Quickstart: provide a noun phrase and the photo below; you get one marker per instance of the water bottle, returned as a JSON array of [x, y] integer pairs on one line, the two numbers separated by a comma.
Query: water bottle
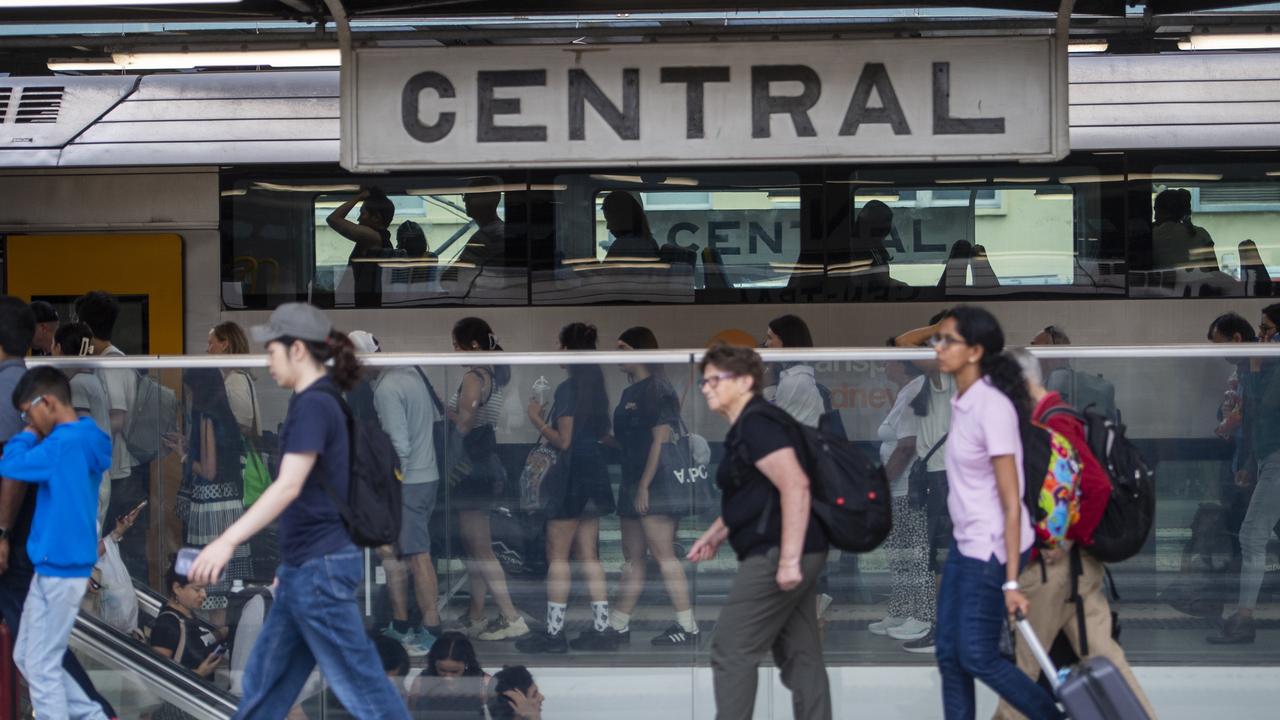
[[540, 388]]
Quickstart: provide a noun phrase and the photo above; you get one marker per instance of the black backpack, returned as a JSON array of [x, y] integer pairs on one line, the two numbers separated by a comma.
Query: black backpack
[[371, 510], [850, 493], [1131, 509]]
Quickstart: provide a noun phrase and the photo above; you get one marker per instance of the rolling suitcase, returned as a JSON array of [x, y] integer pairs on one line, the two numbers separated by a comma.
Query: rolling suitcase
[[1095, 689]]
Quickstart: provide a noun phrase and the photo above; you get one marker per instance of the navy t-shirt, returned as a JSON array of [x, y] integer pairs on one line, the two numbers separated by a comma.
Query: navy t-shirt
[[311, 526]]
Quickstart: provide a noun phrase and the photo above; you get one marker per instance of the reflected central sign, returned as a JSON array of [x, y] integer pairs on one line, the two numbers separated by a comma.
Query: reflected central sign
[[712, 103]]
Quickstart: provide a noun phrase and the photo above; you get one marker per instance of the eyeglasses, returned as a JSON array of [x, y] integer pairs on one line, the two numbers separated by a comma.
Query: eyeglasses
[[26, 414], [713, 381], [940, 341]]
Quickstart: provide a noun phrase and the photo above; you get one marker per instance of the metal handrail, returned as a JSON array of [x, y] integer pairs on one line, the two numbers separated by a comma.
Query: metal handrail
[[669, 357]]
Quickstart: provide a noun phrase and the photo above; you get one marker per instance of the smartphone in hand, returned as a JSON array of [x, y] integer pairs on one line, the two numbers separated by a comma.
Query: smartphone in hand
[[186, 558]]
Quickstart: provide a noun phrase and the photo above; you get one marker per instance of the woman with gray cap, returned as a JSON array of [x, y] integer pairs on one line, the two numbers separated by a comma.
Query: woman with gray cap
[[315, 618]]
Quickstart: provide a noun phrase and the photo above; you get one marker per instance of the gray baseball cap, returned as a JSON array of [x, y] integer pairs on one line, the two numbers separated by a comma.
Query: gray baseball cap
[[296, 320]]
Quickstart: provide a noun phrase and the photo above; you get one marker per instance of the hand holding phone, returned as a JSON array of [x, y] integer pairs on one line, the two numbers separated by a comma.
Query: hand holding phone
[[186, 558], [219, 651]]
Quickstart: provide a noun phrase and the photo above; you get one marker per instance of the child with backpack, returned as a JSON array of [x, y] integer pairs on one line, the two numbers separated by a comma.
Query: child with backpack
[[1080, 608], [64, 456], [315, 618]]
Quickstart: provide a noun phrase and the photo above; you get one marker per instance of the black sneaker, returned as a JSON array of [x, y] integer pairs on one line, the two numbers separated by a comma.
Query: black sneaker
[[920, 645], [1237, 630], [543, 642], [676, 636], [598, 640]]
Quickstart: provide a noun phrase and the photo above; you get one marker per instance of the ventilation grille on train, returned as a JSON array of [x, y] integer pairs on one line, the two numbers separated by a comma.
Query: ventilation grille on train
[[5, 94], [1268, 193], [39, 105]]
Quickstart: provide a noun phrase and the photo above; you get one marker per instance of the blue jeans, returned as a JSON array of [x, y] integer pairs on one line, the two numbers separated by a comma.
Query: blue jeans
[[971, 616], [315, 620], [47, 618]]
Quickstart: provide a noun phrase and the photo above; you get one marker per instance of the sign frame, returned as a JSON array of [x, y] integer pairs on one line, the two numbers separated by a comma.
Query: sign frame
[[597, 95]]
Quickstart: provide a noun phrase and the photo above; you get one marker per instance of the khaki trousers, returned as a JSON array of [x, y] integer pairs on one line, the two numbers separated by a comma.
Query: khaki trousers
[[759, 617], [1051, 612]]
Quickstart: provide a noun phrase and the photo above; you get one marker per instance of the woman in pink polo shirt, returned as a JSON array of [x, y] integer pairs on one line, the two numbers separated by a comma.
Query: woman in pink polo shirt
[[991, 535]]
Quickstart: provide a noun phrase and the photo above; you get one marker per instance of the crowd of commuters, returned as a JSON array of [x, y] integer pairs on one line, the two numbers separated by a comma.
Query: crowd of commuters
[[960, 553]]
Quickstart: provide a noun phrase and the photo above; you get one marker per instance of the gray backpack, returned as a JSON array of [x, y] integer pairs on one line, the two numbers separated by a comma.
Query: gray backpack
[[152, 415]]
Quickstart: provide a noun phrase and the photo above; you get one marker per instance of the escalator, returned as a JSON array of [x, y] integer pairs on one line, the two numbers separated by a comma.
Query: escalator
[[137, 681]]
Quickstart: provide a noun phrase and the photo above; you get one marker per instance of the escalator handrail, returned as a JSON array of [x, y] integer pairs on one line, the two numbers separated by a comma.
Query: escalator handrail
[[175, 683]]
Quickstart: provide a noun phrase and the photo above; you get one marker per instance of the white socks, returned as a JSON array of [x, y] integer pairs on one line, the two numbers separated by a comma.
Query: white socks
[[600, 615], [555, 617], [620, 621], [685, 618]]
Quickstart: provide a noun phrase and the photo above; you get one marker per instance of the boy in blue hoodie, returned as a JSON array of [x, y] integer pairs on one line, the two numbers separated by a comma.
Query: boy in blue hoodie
[[64, 456]]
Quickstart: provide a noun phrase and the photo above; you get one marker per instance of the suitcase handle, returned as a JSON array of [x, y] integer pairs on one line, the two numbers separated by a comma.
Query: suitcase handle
[[1033, 642]]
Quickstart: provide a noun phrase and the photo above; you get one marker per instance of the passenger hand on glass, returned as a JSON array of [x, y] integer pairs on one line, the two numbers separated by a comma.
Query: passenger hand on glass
[[206, 668], [789, 576], [1015, 602], [211, 561], [1243, 478], [642, 500]]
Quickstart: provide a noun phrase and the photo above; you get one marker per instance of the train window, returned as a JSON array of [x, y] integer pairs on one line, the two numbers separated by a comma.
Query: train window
[[1211, 233], [973, 236], [671, 239], [404, 242]]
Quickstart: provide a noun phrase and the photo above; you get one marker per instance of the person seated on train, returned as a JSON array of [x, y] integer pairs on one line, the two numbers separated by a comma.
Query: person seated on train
[[372, 239], [863, 267], [1177, 243], [955, 274], [515, 695], [1253, 272], [488, 244], [983, 274], [625, 220], [796, 388]]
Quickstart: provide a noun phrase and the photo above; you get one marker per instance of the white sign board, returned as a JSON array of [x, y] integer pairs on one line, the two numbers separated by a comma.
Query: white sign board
[[711, 103]]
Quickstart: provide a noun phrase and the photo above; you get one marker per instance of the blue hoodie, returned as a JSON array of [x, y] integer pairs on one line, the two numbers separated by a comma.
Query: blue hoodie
[[67, 469]]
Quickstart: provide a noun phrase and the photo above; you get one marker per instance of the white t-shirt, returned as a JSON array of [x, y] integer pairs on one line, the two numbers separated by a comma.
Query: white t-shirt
[[797, 393], [122, 386], [901, 423], [89, 398], [242, 396], [937, 423]]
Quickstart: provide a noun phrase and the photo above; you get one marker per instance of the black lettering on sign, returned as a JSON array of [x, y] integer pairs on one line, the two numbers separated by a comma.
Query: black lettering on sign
[[695, 79], [410, 107], [874, 76], [680, 227], [583, 90], [489, 106], [716, 238], [943, 123], [763, 104], [917, 239], [757, 232]]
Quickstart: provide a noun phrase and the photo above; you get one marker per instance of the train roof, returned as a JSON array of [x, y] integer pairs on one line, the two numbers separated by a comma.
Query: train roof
[[1117, 102]]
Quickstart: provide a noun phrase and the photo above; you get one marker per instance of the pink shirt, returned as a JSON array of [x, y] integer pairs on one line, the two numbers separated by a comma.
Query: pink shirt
[[984, 425]]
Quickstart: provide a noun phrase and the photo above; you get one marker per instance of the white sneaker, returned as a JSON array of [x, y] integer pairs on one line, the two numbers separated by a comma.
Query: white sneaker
[[912, 629], [882, 627], [503, 629]]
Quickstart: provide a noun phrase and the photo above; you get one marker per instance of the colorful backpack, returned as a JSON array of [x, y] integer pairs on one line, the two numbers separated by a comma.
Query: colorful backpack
[[1052, 468]]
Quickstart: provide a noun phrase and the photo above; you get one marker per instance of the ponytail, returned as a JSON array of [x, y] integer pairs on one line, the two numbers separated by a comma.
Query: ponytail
[[346, 367], [1006, 375]]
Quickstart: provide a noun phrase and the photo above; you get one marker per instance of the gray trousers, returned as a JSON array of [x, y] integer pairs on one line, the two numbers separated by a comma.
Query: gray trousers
[[759, 617]]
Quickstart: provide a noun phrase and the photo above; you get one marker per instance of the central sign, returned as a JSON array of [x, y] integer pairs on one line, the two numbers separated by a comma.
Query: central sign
[[711, 103]]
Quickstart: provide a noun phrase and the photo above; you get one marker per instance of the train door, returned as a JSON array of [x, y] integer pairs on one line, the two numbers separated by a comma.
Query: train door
[[143, 271]]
